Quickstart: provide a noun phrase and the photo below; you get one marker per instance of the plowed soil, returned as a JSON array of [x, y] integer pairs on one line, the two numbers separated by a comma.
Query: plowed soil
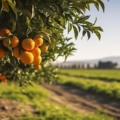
[[84, 101], [12, 110], [77, 100]]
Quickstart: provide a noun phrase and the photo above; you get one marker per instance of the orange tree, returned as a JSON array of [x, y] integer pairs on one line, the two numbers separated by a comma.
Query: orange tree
[[31, 35]]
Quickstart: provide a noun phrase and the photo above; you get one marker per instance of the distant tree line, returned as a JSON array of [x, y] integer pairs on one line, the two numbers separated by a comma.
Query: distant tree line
[[106, 65], [100, 65]]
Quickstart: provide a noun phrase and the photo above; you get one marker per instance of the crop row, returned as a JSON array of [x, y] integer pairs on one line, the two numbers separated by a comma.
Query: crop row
[[46, 109], [110, 75], [112, 89]]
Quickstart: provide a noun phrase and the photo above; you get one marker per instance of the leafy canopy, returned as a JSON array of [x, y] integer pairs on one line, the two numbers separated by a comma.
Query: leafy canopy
[[49, 18]]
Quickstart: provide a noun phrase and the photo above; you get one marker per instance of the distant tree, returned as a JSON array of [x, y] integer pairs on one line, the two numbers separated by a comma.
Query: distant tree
[[79, 66], [95, 66], [106, 65], [88, 66], [82, 66], [74, 66]]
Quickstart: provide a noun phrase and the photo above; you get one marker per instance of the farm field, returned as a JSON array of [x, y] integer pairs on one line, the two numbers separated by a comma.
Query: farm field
[[97, 81], [34, 103], [106, 75], [39, 36]]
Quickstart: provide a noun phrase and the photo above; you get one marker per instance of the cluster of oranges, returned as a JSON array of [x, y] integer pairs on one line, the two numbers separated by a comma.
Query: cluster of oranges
[[31, 50]]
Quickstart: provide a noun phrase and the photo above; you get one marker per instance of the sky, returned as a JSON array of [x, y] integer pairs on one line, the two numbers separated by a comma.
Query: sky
[[109, 45]]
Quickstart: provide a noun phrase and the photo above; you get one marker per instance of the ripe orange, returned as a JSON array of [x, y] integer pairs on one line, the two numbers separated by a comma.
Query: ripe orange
[[36, 52], [16, 52], [28, 44], [26, 57], [5, 42], [14, 41], [38, 41], [5, 5], [37, 60], [38, 67], [3, 78], [44, 48], [2, 53], [4, 32]]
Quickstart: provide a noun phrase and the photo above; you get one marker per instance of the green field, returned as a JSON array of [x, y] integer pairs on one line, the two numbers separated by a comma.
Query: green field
[[98, 81], [38, 97], [94, 74]]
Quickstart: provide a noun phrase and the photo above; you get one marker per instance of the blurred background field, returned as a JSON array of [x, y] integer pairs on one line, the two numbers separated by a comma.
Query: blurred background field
[[98, 81], [34, 103]]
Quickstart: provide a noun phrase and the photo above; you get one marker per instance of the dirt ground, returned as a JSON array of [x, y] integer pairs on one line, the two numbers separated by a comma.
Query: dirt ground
[[12, 110], [84, 101], [77, 100]]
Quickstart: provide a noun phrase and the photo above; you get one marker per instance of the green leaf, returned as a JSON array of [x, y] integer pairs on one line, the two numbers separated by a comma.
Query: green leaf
[[88, 6], [82, 19], [13, 25], [96, 5], [69, 17], [63, 21], [33, 11], [69, 27], [98, 35], [13, 10], [75, 32], [95, 21], [98, 28], [88, 34], [0, 6], [102, 5], [26, 13], [84, 32]]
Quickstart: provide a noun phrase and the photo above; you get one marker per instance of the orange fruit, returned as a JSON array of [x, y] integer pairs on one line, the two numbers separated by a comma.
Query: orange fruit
[[38, 41], [5, 42], [4, 32], [44, 48], [28, 44], [36, 52], [14, 41], [5, 5], [38, 67], [37, 60], [0, 77], [3, 78], [26, 57], [16, 52], [2, 53]]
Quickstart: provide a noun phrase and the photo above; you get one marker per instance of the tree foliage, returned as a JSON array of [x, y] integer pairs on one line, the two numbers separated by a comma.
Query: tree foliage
[[49, 19], [106, 65]]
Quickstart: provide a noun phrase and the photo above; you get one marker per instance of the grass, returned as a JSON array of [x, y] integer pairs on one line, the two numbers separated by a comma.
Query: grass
[[67, 116], [94, 74], [112, 89], [96, 86], [13, 91], [46, 110]]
